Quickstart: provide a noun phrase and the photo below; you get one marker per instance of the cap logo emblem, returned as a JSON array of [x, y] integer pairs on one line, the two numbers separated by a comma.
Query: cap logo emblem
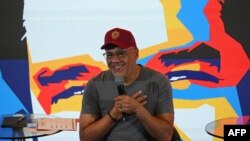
[[115, 34]]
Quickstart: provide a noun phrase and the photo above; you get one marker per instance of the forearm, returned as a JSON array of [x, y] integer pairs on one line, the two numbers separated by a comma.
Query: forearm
[[158, 128], [97, 130]]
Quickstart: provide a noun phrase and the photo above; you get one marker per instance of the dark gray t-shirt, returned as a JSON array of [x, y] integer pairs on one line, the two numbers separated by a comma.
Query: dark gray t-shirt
[[99, 97]]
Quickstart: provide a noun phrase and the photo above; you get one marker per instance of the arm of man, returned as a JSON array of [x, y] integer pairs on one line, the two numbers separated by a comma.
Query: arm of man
[[92, 128], [160, 127], [160, 124]]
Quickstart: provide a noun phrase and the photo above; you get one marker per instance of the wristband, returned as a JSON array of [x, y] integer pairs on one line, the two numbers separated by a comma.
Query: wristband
[[112, 118]]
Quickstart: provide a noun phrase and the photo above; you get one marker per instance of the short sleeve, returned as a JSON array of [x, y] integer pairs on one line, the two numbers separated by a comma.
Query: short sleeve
[[90, 100]]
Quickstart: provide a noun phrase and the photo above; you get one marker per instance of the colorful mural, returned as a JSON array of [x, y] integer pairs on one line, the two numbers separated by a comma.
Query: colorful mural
[[50, 49]]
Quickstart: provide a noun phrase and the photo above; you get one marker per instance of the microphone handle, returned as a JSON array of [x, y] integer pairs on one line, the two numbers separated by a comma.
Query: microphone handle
[[122, 91], [124, 116]]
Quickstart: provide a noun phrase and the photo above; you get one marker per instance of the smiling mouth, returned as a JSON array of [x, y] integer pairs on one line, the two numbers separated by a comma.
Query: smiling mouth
[[117, 67]]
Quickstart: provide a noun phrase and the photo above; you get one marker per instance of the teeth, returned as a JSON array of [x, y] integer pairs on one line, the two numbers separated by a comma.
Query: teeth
[[117, 67]]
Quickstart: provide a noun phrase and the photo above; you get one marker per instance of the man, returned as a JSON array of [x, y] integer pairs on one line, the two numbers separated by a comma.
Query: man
[[147, 103]]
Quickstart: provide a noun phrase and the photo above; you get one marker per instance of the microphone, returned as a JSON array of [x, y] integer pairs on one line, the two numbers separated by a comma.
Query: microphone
[[119, 81], [120, 86]]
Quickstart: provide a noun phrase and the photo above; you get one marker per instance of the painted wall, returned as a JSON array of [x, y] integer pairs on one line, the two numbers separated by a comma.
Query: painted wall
[[49, 49]]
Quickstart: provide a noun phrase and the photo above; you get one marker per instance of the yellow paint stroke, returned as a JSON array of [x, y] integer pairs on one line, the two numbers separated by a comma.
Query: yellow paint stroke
[[75, 83], [181, 84], [192, 66], [70, 104], [176, 32]]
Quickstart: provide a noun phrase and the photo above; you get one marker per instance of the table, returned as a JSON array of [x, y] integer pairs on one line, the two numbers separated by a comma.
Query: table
[[216, 128], [22, 133]]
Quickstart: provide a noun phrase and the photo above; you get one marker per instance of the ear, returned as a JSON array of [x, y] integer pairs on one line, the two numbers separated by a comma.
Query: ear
[[136, 53]]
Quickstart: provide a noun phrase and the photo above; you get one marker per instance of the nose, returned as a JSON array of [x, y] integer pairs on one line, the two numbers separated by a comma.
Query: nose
[[114, 59]]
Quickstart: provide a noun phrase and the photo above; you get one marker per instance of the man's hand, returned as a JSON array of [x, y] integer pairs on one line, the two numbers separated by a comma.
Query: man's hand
[[130, 104]]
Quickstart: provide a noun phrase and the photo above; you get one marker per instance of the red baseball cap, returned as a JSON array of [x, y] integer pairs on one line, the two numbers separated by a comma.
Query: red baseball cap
[[119, 37]]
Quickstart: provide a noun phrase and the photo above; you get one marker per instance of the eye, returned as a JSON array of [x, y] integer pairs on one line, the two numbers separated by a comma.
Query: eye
[[109, 55], [121, 53]]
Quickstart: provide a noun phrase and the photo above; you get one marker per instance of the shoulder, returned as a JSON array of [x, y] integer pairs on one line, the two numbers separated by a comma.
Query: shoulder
[[103, 76], [96, 83]]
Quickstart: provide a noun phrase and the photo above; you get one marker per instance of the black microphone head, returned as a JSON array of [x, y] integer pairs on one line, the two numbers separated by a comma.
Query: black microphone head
[[119, 80], [120, 86]]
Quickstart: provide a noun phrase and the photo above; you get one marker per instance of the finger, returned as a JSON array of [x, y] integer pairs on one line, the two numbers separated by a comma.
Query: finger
[[137, 94], [141, 98], [124, 109], [121, 108], [118, 102], [124, 105], [120, 98], [144, 102], [117, 98]]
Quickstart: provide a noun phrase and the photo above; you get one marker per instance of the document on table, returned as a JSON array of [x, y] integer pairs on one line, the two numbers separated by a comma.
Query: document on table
[[34, 130], [56, 124]]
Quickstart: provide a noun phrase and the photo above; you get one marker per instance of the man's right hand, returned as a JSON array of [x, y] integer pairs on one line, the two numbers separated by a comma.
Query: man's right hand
[[115, 112]]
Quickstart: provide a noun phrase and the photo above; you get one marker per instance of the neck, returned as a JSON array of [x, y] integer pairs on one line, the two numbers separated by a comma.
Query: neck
[[131, 78]]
